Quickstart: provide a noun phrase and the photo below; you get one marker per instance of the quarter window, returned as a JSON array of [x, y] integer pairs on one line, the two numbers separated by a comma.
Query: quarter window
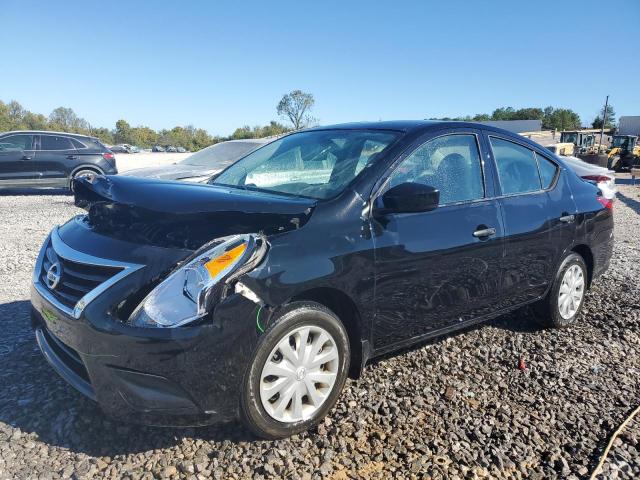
[[548, 171], [517, 167], [450, 163], [55, 142]]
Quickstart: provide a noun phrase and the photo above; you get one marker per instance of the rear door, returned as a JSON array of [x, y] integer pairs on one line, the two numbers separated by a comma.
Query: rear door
[[17, 164], [56, 157], [538, 214], [440, 268]]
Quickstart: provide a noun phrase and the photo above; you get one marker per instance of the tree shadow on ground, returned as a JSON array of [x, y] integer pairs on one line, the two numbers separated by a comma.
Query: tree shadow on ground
[[41, 192], [632, 203]]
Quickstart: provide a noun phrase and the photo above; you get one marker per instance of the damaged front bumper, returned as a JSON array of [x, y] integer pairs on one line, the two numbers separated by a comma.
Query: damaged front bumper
[[189, 375]]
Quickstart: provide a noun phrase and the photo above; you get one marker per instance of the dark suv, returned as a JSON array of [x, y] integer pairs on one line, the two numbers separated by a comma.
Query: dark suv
[[51, 159]]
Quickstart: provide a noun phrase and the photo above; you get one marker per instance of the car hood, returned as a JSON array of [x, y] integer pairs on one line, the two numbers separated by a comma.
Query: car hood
[[183, 215], [176, 171]]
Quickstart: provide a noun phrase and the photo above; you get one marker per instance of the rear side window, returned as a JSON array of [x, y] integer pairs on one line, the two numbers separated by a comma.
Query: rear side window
[[548, 171], [450, 163], [16, 142], [517, 167], [55, 142]]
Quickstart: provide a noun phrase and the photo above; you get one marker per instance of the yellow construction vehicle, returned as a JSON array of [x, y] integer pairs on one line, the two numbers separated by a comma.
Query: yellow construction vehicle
[[624, 153], [584, 141]]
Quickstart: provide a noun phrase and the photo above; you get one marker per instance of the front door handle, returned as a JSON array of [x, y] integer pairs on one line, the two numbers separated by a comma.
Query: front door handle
[[27, 157], [567, 218], [484, 232]]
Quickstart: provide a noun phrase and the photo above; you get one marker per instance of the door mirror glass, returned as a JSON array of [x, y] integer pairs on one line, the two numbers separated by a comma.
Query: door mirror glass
[[409, 198]]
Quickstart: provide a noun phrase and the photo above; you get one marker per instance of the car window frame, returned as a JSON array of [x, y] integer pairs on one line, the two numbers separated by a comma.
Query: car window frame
[[381, 184], [489, 135], [39, 144]]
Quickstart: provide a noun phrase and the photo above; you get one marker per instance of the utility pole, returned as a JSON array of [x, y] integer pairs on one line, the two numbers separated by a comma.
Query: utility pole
[[604, 119]]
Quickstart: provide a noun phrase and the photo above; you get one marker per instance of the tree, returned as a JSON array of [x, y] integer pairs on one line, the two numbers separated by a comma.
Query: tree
[[611, 118], [564, 119], [123, 132], [65, 119], [295, 106]]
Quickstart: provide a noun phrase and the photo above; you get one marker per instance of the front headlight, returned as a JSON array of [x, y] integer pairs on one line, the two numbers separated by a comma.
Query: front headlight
[[190, 291]]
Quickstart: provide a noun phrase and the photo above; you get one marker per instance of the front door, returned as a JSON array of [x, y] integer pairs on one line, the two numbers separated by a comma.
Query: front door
[[439, 268], [17, 164]]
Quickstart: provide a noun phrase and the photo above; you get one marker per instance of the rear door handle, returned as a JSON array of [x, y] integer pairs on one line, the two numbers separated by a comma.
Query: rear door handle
[[484, 232], [72, 157], [567, 218]]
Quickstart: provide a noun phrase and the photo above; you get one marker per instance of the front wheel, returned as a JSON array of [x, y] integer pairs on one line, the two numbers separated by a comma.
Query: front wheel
[[564, 301], [298, 371]]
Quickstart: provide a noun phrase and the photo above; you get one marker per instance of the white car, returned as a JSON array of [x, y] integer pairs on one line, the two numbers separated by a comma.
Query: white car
[[603, 177]]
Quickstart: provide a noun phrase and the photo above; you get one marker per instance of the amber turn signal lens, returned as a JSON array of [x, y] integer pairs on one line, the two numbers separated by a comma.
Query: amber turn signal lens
[[218, 264]]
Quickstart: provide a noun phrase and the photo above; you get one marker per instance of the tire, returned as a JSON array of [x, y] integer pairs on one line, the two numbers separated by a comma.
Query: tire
[[552, 311], [80, 173], [262, 393]]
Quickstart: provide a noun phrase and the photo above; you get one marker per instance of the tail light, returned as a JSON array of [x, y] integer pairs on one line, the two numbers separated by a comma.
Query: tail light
[[605, 202], [108, 156], [597, 178]]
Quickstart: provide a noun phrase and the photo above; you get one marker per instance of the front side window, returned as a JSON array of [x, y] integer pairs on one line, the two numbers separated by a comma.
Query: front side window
[[317, 164], [16, 143], [55, 142], [517, 167], [450, 164]]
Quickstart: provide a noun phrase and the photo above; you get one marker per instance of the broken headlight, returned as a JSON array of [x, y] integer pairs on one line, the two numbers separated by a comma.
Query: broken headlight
[[190, 291]]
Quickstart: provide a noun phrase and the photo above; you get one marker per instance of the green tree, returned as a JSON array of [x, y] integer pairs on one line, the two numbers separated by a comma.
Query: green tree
[[295, 106], [122, 133], [65, 119], [611, 118]]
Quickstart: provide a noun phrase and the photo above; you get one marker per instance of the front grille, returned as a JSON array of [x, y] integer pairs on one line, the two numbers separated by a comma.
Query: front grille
[[76, 279]]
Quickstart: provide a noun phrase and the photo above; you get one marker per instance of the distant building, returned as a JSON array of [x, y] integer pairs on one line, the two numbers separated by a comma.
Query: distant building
[[516, 126]]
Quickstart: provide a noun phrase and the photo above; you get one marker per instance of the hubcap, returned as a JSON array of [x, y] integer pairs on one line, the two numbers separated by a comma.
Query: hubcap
[[299, 374], [571, 292]]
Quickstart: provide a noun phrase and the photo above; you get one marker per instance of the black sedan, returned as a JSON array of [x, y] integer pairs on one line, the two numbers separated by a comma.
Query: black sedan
[[256, 295], [203, 164]]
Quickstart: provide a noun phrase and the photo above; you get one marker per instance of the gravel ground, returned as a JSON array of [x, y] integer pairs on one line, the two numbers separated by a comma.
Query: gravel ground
[[457, 407]]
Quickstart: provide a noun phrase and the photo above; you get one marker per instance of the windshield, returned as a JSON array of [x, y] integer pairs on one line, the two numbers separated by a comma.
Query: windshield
[[317, 164], [220, 155], [620, 142]]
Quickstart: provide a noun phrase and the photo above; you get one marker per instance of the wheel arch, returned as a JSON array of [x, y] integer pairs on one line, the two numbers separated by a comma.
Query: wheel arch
[[587, 255], [86, 166], [347, 311]]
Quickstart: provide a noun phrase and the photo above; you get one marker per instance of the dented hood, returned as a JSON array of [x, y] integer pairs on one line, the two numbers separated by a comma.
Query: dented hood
[[183, 215]]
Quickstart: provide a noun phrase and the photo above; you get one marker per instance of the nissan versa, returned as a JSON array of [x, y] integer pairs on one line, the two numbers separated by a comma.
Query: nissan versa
[[257, 294]]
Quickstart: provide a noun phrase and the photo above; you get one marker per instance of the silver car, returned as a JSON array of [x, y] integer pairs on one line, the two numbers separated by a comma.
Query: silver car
[[205, 163]]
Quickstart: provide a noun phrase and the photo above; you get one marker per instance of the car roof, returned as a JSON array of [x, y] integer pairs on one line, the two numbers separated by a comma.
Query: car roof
[[424, 126], [50, 132]]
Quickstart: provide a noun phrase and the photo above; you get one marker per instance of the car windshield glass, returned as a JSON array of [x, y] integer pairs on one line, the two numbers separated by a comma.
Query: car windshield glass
[[317, 164], [220, 155], [620, 141]]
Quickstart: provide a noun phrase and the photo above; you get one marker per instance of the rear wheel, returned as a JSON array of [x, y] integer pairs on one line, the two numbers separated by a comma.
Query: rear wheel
[[85, 172], [297, 373], [564, 301]]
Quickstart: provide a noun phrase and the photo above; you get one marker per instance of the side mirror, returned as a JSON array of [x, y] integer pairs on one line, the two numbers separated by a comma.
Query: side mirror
[[409, 198]]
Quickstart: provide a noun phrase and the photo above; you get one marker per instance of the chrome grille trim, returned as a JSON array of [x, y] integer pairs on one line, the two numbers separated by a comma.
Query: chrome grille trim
[[62, 250]]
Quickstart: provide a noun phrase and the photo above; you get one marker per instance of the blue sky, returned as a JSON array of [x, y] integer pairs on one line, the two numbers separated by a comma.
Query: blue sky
[[220, 65]]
